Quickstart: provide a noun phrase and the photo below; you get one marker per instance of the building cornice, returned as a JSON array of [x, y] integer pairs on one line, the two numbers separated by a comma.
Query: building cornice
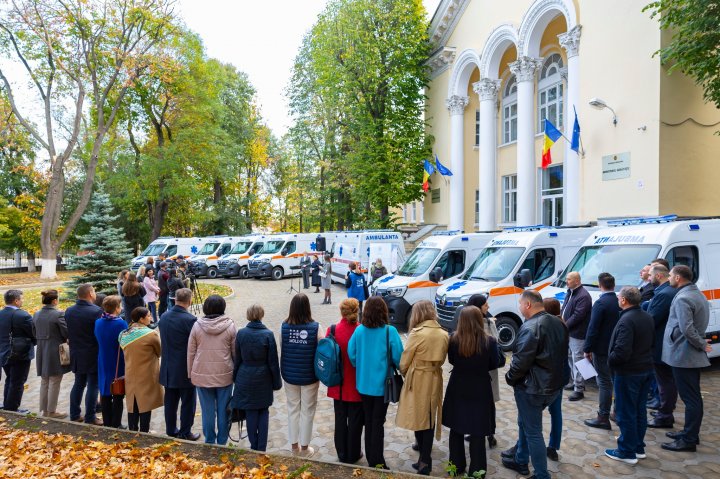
[[446, 17], [441, 61]]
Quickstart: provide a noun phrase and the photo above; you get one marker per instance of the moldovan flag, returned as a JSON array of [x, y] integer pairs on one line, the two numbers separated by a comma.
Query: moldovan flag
[[551, 136], [427, 171]]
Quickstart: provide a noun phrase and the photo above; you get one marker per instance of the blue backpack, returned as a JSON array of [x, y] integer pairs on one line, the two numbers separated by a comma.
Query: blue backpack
[[328, 360]]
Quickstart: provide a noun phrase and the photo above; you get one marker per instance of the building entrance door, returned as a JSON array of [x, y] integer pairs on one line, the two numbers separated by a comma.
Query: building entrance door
[[551, 196]]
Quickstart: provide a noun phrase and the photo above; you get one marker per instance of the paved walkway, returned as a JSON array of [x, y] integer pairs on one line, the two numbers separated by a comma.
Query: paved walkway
[[581, 454]]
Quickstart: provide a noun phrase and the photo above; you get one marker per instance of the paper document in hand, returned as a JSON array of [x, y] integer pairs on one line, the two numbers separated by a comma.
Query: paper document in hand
[[586, 368]]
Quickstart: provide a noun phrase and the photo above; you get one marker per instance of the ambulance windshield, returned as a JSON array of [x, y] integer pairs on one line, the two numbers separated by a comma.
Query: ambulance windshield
[[209, 248], [272, 247], [418, 262], [154, 249], [623, 261], [241, 247], [494, 264]]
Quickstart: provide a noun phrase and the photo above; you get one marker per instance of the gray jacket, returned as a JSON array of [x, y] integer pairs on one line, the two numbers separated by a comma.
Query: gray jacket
[[50, 331], [684, 340]]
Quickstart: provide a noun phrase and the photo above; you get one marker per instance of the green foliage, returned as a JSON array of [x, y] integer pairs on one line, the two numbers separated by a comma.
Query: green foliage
[[693, 48], [104, 250]]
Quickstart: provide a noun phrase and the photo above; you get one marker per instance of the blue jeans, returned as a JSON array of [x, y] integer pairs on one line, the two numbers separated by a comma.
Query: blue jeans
[[257, 422], [152, 306], [531, 444], [631, 393], [555, 410], [91, 396], [214, 403]]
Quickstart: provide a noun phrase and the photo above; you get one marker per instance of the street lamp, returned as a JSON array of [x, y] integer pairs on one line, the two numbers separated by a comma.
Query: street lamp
[[600, 104]]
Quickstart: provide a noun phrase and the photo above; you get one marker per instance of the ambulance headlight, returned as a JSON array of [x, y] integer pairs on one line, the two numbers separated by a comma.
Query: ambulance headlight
[[398, 291], [264, 260], [464, 300]]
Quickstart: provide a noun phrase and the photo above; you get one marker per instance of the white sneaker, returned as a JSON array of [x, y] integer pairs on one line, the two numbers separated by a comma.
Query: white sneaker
[[640, 455], [309, 452]]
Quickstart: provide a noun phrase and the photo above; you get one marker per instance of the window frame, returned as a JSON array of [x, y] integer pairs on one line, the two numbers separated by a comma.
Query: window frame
[[509, 119], [509, 198], [546, 83]]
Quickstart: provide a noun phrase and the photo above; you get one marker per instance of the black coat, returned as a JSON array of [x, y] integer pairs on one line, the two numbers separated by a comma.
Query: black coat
[[21, 327], [257, 372], [659, 309], [316, 267], [647, 292], [631, 344], [603, 318], [175, 325], [468, 404], [576, 311], [131, 302], [80, 320]]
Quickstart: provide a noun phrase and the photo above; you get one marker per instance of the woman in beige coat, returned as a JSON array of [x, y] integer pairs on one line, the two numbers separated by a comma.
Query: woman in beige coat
[[420, 407], [141, 348]]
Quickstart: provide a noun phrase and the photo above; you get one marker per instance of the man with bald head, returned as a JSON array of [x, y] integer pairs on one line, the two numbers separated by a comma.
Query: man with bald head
[[576, 313]]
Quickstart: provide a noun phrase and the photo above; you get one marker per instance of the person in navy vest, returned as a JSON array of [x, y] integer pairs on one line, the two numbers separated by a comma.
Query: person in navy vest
[[257, 375], [603, 318], [175, 326], [80, 319], [356, 285], [15, 322], [300, 334]]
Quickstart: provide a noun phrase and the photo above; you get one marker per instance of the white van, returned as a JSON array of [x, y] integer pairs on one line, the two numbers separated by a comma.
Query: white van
[[280, 257], [365, 247], [516, 259], [235, 263], [205, 262], [171, 246], [626, 246], [436, 260]]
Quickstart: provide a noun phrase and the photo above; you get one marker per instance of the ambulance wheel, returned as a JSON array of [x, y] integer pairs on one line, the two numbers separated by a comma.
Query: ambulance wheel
[[212, 273], [277, 273], [408, 318], [507, 332], [244, 273]]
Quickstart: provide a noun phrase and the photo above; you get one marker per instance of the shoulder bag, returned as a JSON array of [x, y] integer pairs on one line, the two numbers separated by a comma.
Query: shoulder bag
[[117, 387], [64, 354], [393, 380]]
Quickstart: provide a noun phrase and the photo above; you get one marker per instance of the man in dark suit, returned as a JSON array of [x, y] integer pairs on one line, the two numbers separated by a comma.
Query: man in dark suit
[[162, 278], [659, 309], [603, 318], [17, 323], [576, 314], [175, 326], [80, 320], [647, 289]]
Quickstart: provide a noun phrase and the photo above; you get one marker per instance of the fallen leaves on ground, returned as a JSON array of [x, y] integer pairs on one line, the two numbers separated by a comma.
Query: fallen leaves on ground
[[33, 278], [39, 454]]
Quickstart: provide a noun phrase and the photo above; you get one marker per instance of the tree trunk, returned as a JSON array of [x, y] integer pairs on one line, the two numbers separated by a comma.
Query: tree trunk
[[217, 202], [31, 262], [322, 198]]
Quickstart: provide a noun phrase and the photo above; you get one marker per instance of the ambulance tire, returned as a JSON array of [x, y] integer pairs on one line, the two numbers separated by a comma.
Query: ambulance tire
[[244, 273], [277, 273], [212, 272], [507, 332]]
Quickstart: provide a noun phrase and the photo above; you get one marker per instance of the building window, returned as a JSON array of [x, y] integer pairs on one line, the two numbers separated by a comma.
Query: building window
[[550, 93], [509, 192], [551, 195], [477, 127], [509, 105], [413, 215], [435, 195], [477, 207]]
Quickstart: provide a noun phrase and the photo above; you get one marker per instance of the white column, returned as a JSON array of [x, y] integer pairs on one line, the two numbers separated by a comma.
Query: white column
[[570, 41], [524, 69], [487, 90], [456, 104]]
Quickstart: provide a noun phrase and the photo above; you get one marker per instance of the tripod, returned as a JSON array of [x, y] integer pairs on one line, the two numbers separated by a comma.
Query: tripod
[[292, 283], [198, 299]]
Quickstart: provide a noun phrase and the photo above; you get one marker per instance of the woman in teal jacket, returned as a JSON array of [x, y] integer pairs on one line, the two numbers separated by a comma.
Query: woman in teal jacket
[[367, 350]]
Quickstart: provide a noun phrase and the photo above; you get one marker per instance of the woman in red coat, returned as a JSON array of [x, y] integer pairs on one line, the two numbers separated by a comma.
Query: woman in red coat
[[349, 418]]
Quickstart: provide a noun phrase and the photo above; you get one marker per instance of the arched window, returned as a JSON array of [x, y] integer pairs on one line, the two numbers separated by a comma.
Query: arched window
[[509, 104], [550, 93]]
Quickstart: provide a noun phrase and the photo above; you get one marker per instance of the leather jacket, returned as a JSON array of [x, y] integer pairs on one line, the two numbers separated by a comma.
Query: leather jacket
[[539, 357]]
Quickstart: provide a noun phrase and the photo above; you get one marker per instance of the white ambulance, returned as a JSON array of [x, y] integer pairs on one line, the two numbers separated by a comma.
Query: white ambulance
[[280, 257], [435, 261], [365, 247], [205, 262], [624, 247], [171, 246], [516, 259], [235, 263]]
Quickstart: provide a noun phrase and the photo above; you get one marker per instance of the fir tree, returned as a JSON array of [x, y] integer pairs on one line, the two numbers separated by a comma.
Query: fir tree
[[107, 252]]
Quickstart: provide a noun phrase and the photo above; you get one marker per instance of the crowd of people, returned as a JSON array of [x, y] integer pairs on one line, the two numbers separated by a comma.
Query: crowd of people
[[118, 350]]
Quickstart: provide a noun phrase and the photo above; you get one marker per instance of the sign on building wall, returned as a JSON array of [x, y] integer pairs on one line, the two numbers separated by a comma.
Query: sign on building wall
[[435, 195], [615, 167]]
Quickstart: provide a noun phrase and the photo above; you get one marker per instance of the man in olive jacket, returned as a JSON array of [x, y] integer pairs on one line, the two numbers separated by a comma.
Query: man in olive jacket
[[536, 373], [685, 350], [175, 326]]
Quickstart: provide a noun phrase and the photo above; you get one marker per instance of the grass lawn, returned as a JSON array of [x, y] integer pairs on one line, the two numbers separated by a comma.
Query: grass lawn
[[32, 278]]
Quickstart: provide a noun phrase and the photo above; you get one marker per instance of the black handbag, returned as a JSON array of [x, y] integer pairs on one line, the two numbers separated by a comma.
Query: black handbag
[[393, 380], [236, 416], [19, 346]]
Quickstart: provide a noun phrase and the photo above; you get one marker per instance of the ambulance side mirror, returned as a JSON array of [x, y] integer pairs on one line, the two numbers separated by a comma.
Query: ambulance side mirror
[[523, 278], [436, 275], [284, 252]]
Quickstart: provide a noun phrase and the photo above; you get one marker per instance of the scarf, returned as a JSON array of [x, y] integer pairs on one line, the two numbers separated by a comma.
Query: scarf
[[132, 334]]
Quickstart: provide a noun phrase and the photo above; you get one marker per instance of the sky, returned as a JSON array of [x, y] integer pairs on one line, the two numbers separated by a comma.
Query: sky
[[261, 38]]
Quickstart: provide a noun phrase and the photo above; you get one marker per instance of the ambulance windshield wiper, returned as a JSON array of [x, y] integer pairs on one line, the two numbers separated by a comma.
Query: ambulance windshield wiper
[[479, 278]]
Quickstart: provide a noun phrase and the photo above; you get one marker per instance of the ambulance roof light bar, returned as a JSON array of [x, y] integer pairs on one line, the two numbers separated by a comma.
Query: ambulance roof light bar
[[643, 220], [525, 228], [447, 233]]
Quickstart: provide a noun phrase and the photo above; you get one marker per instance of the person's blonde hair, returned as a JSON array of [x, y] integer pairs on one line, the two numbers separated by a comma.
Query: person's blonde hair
[[255, 313], [349, 309], [422, 311]]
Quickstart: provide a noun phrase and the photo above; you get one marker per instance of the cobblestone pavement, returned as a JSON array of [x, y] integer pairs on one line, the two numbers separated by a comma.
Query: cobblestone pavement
[[582, 450]]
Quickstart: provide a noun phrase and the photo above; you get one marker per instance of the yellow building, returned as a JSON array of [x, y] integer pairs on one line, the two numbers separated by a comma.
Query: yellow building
[[500, 68]]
